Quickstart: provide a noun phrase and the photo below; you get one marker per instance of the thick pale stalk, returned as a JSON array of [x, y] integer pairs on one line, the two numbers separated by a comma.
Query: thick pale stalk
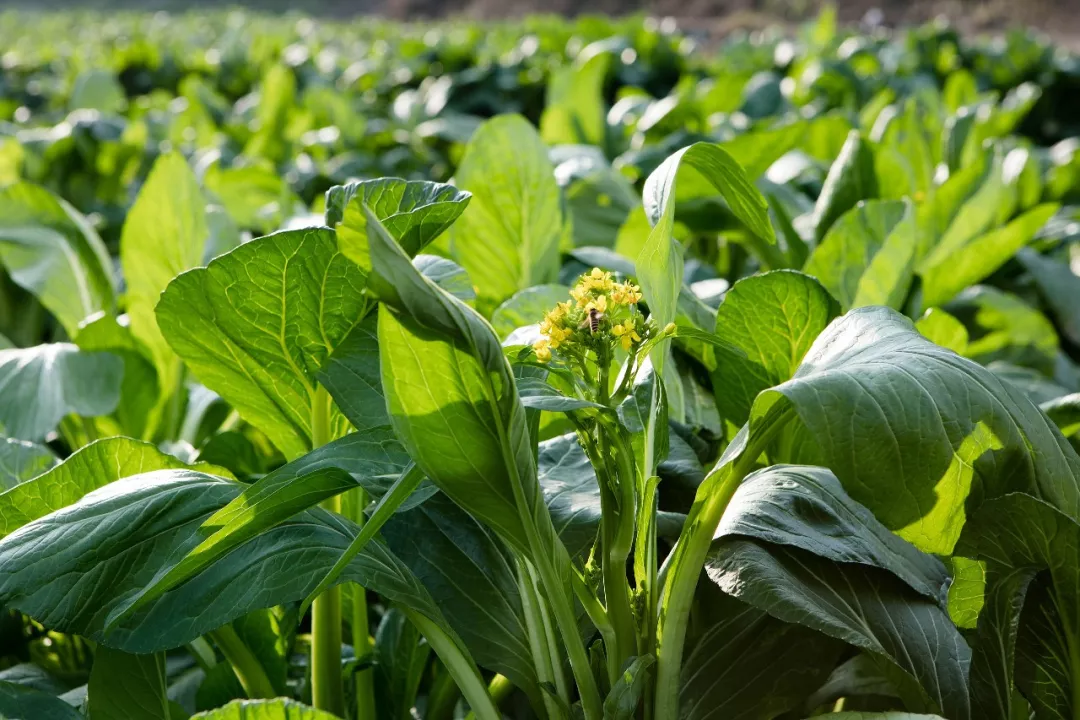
[[327, 690]]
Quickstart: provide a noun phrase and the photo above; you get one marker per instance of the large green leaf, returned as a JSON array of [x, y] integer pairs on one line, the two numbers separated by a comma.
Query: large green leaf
[[576, 111], [866, 607], [851, 178], [452, 397], [78, 568], [926, 421], [946, 273], [867, 257], [1018, 536], [52, 251], [773, 319], [471, 577], [165, 234], [89, 468], [18, 702], [508, 238], [905, 425], [257, 324], [351, 376], [746, 664], [1060, 288], [21, 460], [703, 168], [414, 212], [42, 384], [276, 709], [139, 393], [125, 686], [1004, 327]]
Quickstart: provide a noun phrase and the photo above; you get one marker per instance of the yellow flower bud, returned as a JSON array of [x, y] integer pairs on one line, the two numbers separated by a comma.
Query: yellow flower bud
[[542, 349]]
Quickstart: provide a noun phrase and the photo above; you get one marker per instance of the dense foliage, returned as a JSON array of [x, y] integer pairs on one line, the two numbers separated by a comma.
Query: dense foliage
[[555, 369]]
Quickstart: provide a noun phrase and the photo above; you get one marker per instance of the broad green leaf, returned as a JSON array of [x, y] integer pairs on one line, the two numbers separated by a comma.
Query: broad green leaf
[[941, 328], [51, 250], [905, 426], [1019, 535], [277, 96], [508, 237], [18, 702], [773, 319], [967, 594], [42, 384], [809, 554], [351, 376], [448, 275], [165, 234], [125, 686], [994, 642], [934, 420], [1060, 288], [261, 506], [659, 265], [471, 576], [860, 675], [757, 150], [139, 388], [414, 212], [746, 663], [946, 274], [21, 460], [598, 205], [88, 469], [1064, 411], [137, 528], [527, 307], [276, 709], [1004, 327], [866, 607], [401, 656], [806, 507], [452, 397], [98, 89], [851, 178], [867, 257], [576, 112], [258, 323], [255, 198]]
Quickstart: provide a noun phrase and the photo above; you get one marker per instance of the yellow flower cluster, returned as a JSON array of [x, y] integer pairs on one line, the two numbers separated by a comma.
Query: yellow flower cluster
[[594, 297]]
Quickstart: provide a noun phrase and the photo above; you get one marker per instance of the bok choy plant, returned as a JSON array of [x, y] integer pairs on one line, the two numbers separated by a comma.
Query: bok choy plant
[[438, 454]]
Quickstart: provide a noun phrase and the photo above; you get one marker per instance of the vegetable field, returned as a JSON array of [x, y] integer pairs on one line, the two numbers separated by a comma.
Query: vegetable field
[[554, 369]]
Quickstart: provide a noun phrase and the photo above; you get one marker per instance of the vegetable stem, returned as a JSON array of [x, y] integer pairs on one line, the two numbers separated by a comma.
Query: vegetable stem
[[689, 556], [617, 523], [361, 634], [249, 671], [327, 690], [534, 625], [458, 665]]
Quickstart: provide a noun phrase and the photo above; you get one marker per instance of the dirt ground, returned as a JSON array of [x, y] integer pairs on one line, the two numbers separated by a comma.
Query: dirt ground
[[1058, 18]]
